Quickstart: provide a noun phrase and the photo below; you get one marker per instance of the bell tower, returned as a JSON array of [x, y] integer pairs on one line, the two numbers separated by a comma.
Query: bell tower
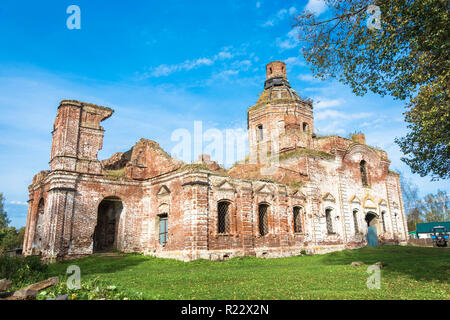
[[77, 136], [280, 120]]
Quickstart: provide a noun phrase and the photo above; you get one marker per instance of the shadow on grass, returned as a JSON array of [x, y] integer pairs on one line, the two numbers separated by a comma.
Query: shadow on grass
[[420, 263]]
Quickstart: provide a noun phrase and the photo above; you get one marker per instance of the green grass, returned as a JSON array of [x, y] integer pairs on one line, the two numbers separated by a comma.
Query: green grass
[[411, 273]]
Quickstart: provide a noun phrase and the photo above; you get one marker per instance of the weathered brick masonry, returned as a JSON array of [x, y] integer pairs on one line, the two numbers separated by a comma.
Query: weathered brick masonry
[[294, 192]]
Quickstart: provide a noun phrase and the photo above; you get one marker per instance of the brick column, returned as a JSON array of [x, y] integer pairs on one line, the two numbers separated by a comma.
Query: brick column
[[245, 210], [196, 210]]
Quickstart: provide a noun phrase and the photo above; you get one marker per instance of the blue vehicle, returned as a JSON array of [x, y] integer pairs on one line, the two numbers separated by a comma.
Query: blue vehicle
[[439, 236]]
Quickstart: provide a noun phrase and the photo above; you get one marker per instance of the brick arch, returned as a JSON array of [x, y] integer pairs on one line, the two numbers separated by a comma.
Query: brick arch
[[357, 154], [298, 218], [367, 154], [225, 216], [107, 230], [263, 217]]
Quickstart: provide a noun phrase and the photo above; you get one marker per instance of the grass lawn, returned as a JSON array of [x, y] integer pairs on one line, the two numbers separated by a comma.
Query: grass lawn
[[411, 273]]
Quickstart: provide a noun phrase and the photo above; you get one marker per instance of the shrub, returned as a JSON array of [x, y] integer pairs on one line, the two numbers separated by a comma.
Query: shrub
[[22, 270], [91, 289]]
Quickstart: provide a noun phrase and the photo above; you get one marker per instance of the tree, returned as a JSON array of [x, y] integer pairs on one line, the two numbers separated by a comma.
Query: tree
[[435, 207], [403, 52], [10, 237], [4, 221], [410, 194]]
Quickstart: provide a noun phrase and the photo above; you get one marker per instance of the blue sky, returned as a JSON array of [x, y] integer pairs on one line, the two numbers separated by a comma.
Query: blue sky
[[161, 66]]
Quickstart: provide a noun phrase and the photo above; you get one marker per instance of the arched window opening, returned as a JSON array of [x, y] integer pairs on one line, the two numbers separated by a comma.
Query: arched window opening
[[355, 220], [329, 221], [41, 206], [305, 127], [163, 228], [383, 213], [263, 219], [297, 220], [260, 132], [363, 169], [223, 217]]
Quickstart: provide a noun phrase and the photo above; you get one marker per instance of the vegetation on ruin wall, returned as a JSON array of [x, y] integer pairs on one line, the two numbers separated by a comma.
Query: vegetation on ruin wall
[[302, 152], [194, 167], [411, 273], [115, 174]]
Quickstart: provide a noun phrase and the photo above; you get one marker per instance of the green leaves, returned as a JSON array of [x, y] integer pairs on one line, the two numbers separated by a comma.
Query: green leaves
[[408, 59]]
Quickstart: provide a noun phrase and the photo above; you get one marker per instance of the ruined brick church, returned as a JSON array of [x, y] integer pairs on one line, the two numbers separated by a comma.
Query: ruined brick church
[[295, 192]]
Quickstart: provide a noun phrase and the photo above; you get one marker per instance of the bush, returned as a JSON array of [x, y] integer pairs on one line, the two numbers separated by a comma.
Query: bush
[[22, 270], [91, 289]]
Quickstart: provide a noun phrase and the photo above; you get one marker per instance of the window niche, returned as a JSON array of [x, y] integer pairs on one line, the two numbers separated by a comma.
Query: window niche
[[356, 222], [223, 217], [329, 221], [363, 170], [260, 132], [298, 227], [263, 211]]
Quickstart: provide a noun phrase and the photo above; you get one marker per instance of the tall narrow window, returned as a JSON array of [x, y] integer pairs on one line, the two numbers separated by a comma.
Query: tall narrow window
[[305, 127], [223, 218], [383, 213], [329, 221], [263, 219], [260, 132], [297, 220], [41, 207], [163, 228], [394, 220], [363, 169], [355, 220]]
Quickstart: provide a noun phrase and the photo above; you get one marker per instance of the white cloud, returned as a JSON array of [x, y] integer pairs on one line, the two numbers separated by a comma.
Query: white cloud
[[242, 65], [307, 77], [225, 54], [22, 203], [316, 6], [165, 70], [280, 16], [327, 103], [291, 40], [293, 61], [322, 115]]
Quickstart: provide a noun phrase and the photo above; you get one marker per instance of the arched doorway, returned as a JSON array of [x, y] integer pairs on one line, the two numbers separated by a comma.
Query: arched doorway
[[371, 219], [372, 228], [106, 230], [39, 228]]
